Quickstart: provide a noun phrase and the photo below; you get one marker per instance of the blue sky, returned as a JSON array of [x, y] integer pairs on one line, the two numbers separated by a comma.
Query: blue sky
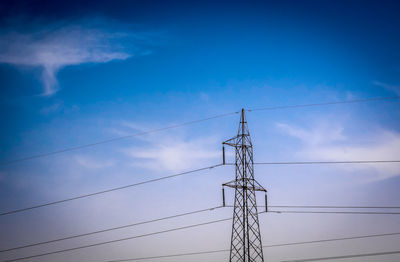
[[73, 73]]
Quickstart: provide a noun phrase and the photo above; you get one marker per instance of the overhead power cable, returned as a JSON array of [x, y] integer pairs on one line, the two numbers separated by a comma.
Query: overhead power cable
[[325, 212], [334, 206], [120, 239], [332, 212], [106, 141], [267, 246], [332, 239], [185, 214], [141, 183], [328, 162], [172, 255], [109, 229], [184, 173], [325, 103], [323, 162], [186, 227], [106, 191], [343, 257]]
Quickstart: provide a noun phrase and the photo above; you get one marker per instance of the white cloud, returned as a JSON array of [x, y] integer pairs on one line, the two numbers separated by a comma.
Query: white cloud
[[92, 163], [322, 135], [54, 46], [329, 143], [172, 152], [174, 156]]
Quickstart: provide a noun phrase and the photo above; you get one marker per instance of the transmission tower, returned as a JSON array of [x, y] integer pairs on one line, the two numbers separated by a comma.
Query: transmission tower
[[246, 243]]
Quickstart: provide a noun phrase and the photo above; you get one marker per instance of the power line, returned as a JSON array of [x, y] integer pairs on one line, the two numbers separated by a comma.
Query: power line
[[73, 148], [180, 215], [267, 246], [155, 180], [337, 207], [109, 229], [347, 256], [325, 212], [325, 103], [179, 174], [332, 212], [186, 227], [328, 162], [203, 210], [333, 239], [323, 162], [107, 191], [191, 226], [119, 240], [172, 255]]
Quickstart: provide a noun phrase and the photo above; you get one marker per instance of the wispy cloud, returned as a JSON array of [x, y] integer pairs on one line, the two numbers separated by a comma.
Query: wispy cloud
[[329, 143], [56, 45], [392, 88], [171, 152], [58, 106], [321, 135], [93, 163]]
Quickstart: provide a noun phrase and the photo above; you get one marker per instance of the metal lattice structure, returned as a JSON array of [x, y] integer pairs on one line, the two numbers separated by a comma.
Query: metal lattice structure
[[246, 245]]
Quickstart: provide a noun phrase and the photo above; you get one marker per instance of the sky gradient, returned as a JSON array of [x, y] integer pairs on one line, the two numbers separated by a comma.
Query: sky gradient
[[74, 73]]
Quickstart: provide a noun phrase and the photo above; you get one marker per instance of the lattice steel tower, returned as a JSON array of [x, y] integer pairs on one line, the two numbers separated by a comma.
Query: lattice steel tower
[[246, 243]]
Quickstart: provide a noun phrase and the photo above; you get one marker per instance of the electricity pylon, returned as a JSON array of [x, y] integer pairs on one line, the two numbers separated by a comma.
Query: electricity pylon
[[246, 243]]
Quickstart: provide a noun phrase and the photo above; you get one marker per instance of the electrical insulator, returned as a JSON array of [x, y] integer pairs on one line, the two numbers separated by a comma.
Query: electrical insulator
[[223, 196], [223, 155]]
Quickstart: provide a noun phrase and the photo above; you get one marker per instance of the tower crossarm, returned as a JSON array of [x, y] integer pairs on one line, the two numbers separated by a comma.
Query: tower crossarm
[[229, 144], [249, 184]]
